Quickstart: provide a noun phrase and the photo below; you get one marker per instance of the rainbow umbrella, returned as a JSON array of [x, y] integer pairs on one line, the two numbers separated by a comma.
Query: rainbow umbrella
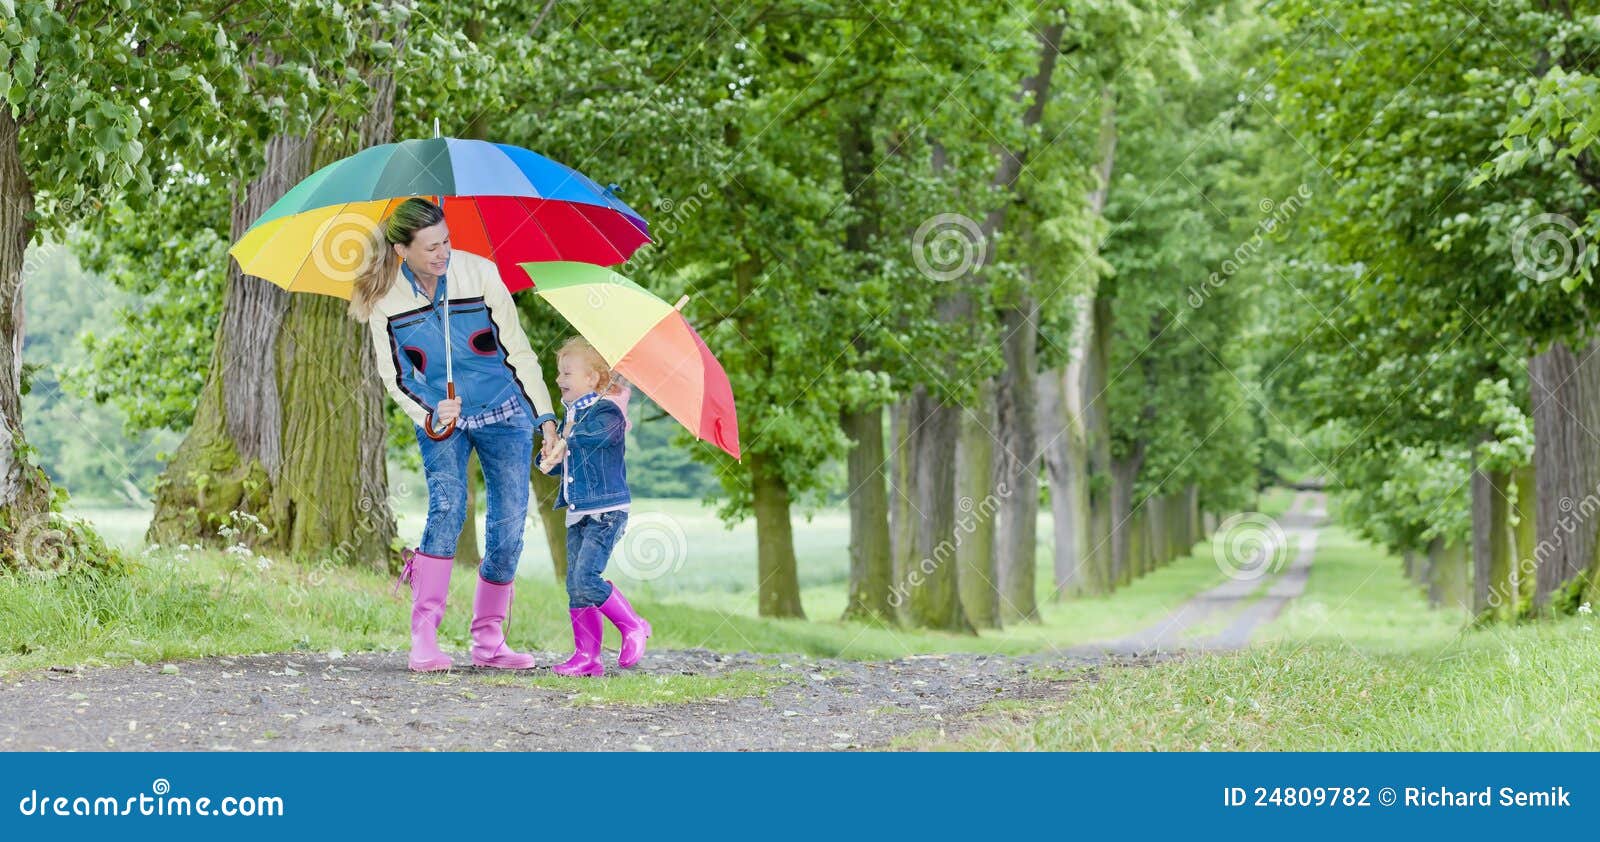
[[502, 202], [647, 341]]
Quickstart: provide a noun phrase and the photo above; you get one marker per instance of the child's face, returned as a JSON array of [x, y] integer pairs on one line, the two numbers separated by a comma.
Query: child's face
[[574, 378]]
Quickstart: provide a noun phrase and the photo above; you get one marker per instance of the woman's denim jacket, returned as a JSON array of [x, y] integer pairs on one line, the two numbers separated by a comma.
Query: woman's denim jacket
[[593, 473]]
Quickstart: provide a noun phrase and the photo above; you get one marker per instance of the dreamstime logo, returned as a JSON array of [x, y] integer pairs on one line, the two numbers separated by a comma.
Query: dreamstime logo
[[1251, 545], [1547, 247], [40, 544], [653, 545], [157, 802], [947, 246], [344, 246]]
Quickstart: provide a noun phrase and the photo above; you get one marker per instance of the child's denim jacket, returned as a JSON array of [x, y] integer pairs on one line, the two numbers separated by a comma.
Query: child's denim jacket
[[593, 474]]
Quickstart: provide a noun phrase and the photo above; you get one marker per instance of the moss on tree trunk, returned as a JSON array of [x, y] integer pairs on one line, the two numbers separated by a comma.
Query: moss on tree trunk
[[871, 568], [976, 551]]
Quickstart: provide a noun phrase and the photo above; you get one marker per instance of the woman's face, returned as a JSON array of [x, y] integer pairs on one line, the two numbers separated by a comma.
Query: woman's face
[[574, 378], [429, 251]]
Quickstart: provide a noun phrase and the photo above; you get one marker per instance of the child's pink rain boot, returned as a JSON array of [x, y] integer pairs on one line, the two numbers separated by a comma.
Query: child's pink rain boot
[[490, 606], [586, 628], [634, 628], [429, 576]]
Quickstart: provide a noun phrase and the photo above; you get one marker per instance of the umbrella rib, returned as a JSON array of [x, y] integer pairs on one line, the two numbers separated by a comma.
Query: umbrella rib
[[539, 225]]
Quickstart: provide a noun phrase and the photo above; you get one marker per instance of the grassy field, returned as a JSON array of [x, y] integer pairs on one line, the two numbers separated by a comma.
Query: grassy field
[[1359, 663], [180, 604]]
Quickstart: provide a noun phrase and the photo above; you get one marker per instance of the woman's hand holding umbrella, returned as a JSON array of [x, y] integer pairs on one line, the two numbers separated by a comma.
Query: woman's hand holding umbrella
[[447, 411]]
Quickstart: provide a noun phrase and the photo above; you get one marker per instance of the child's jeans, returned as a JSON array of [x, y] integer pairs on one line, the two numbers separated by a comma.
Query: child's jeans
[[589, 543], [505, 452]]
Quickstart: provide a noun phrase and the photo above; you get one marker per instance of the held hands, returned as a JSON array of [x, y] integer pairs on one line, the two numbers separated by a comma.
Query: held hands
[[551, 448], [553, 451]]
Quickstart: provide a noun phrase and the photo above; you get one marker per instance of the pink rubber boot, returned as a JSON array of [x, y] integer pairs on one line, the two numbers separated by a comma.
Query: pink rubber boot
[[490, 605], [634, 628], [586, 629], [429, 576]]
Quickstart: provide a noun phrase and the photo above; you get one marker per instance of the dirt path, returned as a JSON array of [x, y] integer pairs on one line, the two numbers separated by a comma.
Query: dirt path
[[369, 701], [1240, 597]]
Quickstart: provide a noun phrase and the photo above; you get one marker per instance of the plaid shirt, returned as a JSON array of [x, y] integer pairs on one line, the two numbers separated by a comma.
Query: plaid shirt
[[502, 412]]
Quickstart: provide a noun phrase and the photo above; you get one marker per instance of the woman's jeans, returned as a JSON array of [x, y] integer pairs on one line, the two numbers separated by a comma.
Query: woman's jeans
[[505, 453], [589, 543]]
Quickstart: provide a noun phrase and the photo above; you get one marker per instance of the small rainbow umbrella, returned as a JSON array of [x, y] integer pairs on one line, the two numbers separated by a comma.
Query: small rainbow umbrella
[[501, 201], [647, 341]]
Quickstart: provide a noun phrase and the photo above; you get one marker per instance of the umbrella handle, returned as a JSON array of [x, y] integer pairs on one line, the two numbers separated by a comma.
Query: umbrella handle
[[427, 427]]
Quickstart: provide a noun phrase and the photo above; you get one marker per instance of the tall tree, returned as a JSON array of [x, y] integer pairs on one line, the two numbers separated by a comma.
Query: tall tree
[[83, 85]]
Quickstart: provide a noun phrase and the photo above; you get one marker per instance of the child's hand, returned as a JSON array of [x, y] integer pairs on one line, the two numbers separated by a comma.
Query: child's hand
[[552, 454]]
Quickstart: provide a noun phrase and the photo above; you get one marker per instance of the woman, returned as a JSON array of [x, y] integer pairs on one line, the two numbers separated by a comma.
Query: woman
[[501, 399]]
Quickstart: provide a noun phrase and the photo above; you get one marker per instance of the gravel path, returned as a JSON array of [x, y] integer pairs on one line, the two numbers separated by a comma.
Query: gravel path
[[369, 701], [1251, 601]]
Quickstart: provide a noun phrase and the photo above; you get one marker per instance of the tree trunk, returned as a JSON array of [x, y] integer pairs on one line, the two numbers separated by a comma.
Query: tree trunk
[[1061, 429], [24, 490], [1524, 538], [1492, 594], [1193, 534], [871, 566], [976, 554], [228, 458], [1124, 472], [297, 434], [330, 494], [1565, 391], [1016, 431], [1100, 563], [1449, 572], [332, 488], [1073, 421], [903, 520], [778, 591], [1159, 518], [929, 585], [1016, 459]]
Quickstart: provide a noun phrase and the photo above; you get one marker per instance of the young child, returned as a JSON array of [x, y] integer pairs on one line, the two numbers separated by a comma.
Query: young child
[[594, 490]]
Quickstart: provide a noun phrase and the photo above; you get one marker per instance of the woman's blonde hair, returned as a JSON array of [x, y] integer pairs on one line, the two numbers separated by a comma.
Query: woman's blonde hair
[[581, 348], [378, 275]]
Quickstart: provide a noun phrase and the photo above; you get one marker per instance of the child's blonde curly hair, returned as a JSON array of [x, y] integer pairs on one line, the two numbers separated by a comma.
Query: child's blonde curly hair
[[580, 348]]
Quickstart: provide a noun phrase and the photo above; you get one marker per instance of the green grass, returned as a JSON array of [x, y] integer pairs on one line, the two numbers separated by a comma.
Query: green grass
[[633, 688], [1360, 663]]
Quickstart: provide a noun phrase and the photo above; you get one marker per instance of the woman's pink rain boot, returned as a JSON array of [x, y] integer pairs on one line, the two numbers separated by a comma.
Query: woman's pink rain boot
[[490, 606], [429, 576], [585, 660]]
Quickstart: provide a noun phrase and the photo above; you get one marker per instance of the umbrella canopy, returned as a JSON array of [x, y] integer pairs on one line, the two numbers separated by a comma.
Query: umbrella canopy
[[647, 341], [502, 202]]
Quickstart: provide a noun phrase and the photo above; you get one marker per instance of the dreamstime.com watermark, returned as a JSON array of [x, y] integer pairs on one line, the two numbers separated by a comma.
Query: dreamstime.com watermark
[[156, 802], [1276, 214], [973, 515]]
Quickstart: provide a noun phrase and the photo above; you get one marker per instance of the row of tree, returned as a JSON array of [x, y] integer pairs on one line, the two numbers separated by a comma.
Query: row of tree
[[1444, 362], [991, 259]]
